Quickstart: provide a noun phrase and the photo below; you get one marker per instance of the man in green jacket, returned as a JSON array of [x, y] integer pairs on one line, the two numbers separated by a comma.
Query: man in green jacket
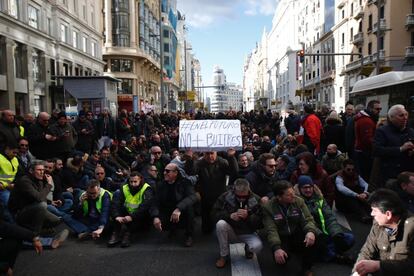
[[337, 239], [290, 227], [389, 248]]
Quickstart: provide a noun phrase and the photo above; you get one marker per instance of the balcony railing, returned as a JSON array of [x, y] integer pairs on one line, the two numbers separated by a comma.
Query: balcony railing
[[358, 38], [353, 65], [409, 52], [382, 26], [409, 23], [381, 56]]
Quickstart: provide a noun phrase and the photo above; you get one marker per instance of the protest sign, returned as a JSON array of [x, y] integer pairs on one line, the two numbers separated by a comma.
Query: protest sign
[[210, 135]]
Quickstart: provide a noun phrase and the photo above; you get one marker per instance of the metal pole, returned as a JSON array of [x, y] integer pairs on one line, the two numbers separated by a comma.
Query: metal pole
[[377, 68], [185, 76], [303, 74], [161, 59]]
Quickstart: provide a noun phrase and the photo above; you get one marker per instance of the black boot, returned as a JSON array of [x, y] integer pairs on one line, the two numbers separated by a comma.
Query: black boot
[[126, 239], [114, 240]]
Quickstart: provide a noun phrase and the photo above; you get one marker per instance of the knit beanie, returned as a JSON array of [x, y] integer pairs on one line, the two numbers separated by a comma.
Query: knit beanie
[[304, 180]]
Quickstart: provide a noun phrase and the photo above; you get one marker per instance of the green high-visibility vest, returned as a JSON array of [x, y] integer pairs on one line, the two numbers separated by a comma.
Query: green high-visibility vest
[[132, 202], [8, 170], [85, 206], [321, 216], [21, 131]]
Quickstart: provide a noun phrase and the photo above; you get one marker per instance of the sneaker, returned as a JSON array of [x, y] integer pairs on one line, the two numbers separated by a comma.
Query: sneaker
[[59, 238], [114, 240], [84, 236], [247, 253], [221, 262], [188, 241]]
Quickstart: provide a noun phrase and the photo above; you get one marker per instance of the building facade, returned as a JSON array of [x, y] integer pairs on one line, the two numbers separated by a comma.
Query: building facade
[[41, 40], [219, 99]]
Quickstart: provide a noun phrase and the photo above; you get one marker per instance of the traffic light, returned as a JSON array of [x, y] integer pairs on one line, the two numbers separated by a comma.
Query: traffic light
[[301, 55]]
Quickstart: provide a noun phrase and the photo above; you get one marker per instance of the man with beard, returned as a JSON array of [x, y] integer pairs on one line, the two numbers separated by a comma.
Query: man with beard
[[261, 177], [365, 124], [130, 209], [85, 131], [64, 137], [39, 138], [332, 160]]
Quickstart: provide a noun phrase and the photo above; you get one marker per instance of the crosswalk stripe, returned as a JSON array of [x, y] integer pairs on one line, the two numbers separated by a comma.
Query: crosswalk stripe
[[240, 266]]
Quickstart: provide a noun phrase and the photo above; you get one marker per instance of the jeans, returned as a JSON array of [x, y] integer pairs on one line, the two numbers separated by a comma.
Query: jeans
[[226, 235], [4, 199], [62, 210], [81, 225], [104, 141]]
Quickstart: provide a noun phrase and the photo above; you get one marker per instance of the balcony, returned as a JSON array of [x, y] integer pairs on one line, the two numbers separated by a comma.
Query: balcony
[[381, 56], [382, 26], [353, 65], [359, 13], [341, 4], [409, 52], [367, 60], [409, 23], [358, 38]]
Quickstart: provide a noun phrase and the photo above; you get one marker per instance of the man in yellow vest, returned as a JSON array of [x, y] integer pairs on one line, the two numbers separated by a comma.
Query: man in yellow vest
[[9, 165], [92, 214], [130, 209]]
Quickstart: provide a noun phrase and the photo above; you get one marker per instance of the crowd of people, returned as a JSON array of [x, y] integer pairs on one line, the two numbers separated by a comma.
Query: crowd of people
[[119, 175]]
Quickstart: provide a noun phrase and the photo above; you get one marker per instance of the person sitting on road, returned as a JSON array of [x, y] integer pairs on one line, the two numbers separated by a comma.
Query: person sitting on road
[[404, 187], [332, 159], [130, 209], [173, 204], [245, 165], [92, 213], [285, 165], [238, 214], [105, 182], [389, 248], [352, 192], [290, 227], [337, 239]]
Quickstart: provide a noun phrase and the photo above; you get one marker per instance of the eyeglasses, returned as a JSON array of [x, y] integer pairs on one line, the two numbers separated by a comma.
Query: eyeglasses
[[168, 171]]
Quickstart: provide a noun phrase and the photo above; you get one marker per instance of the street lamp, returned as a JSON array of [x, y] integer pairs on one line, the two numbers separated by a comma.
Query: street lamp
[[185, 76]]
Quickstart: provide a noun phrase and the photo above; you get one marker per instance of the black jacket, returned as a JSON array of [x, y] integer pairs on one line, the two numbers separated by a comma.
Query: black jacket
[[39, 146], [260, 183], [227, 204], [27, 190], [9, 134], [103, 129], [184, 194]]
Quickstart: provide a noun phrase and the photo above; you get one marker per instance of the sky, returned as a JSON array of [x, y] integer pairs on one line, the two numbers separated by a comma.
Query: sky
[[224, 32]]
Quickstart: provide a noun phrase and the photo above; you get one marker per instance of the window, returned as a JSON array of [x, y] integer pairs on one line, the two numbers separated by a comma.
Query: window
[[166, 60], [75, 6], [343, 14], [75, 39], [33, 16], [49, 26], [2, 59], [36, 66], [166, 33], [370, 48], [84, 12], [369, 22], [63, 33], [94, 49], [92, 16], [13, 8], [352, 33], [83, 43], [340, 92], [18, 61], [126, 86], [121, 65], [343, 39], [166, 47]]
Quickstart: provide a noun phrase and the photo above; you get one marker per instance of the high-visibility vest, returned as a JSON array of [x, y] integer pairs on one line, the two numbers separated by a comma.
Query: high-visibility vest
[[21, 128], [98, 203], [319, 203], [8, 170], [132, 202]]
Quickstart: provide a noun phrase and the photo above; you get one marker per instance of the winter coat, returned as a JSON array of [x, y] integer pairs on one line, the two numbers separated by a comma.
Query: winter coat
[[103, 129], [85, 140], [9, 134], [387, 142], [64, 143], [39, 146], [312, 127], [282, 225], [334, 133], [395, 252], [260, 183], [227, 204], [333, 164], [364, 127]]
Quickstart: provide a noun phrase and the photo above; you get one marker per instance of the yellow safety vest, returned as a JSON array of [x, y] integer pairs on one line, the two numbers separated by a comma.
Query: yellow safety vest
[[8, 170], [85, 206], [21, 131], [132, 202]]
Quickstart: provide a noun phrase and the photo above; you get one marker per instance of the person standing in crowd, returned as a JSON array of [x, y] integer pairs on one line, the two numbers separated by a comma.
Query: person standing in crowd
[[105, 129], [365, 124], [348, 115], [130, 209], [388, 249], [64, 137], [40, 140], [85, 131], [290, 227], [173, 204], [352, 192], [91, 215], [237, 214], [312, 129], [337, 239], [9, 130], [404, 187], [334, 132], [212, 171], [123, 126], [261, 177], [394, 144], [292, 122]]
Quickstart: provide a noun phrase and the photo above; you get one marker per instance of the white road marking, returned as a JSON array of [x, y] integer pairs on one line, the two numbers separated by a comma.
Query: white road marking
[[240, 266]]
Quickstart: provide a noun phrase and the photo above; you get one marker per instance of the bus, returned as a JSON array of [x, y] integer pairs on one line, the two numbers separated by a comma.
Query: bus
[[396, 87]]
